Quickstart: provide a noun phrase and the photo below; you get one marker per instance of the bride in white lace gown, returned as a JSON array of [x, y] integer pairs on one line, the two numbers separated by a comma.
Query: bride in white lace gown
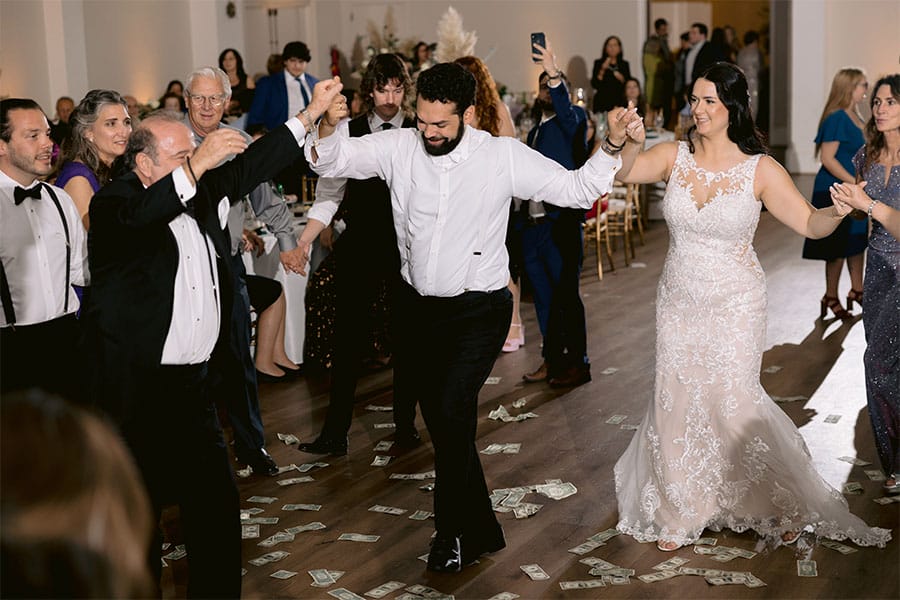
[[714, 450]]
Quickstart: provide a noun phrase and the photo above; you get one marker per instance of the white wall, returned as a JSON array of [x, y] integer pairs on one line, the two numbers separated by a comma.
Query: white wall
[[860, 33]]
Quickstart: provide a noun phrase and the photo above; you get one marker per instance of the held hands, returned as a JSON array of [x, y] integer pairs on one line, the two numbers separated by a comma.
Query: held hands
[[336, 111], [849, 196], [324, 93], [302, 250], [625, 124], [250, 241], [217, 146], [294, 261]]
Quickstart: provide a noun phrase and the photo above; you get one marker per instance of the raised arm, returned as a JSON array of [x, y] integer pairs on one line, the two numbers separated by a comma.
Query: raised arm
[[626, 129], [777, 191]]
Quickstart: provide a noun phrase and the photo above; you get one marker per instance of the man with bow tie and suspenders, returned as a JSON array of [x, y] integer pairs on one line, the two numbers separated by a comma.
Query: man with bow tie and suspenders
[[43, 251]]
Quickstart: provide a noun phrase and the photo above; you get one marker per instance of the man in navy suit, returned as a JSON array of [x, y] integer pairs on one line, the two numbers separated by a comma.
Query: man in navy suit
[[552, 237], [279, 97]]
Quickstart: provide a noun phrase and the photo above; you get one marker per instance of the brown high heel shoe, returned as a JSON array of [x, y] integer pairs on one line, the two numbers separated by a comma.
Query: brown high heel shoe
[[830, 302], [854, 296]]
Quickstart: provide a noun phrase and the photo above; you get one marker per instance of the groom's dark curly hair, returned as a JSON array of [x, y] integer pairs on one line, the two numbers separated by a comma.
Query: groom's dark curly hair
[[445, 83]]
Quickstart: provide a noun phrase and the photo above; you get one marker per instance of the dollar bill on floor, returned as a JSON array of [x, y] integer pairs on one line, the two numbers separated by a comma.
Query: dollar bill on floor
[[294, 480], [727, 580], [384, 589], [853, 487], [616, 419], [504, 596], [493, 449], [512, 448], [285, 468], [874, 475], [754, 582], [163, 562], [176, 554], [526, 509], [260, 521], [772, 369], [380, 407], [313, 507], [421, 515], [278, 538], [534, 572], [604, 536], [700, 571], [557, 491], [321, 578], [384, 445], [314, 526], [424, 590], [854, 461], [619, 580], [249, 532], [886, 500], [381, 460], [671, 564], [358, 537], [706, 541], [423, 558], [498, 413], [388, 510], [832, 418], [609, 371], [261, 499], [629, 427], [344, 594], [658, 576], [288, 438], [520, 403], [492, 380], [306, 467], [807, 568], [581, 585], [269, 557], [408, 596], [428, 487], [283, 574], [585, 547], [384, 426], [837, 546], [599, 563]]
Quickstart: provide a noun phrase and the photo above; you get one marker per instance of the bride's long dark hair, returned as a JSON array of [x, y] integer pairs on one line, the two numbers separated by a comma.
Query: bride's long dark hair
[[731, 87]]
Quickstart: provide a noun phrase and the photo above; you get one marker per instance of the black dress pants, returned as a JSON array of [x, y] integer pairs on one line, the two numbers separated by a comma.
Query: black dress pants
[[448, 346], [178, 446], [361, 275], [43, 355]]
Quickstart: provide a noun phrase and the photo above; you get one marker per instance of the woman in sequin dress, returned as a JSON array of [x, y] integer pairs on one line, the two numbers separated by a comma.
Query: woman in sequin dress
[[878, 165], [714, 451]]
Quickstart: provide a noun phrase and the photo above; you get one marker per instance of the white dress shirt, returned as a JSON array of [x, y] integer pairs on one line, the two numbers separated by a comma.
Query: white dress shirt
[[295, 96], [330, 190], [690, 61], [197, 308], [450, 212], [33, 250]]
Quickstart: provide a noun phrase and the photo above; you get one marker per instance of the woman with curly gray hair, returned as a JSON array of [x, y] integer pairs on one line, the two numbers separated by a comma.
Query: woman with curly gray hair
[[101, 127]]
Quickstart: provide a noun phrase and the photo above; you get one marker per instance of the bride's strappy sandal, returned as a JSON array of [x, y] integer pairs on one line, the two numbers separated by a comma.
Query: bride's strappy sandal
[[667, 546]]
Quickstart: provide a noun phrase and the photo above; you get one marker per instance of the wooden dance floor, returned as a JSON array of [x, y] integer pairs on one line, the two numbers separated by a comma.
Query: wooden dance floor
[[571, 441]]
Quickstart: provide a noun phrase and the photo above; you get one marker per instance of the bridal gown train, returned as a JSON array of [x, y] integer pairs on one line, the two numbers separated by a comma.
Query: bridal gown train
[[714, 450]]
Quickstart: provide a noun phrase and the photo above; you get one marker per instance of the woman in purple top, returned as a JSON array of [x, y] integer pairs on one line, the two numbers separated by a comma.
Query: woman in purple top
[[100, 131]]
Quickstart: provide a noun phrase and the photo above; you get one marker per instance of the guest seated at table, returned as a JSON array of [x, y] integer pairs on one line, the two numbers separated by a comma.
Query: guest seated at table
[[267, 299], [632, 93]]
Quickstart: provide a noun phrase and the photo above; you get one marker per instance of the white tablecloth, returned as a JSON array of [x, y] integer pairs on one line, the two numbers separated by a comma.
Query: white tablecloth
[[269, 265]]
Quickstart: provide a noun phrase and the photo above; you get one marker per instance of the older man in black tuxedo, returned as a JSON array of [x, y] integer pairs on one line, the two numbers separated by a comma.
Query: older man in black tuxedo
[[162, 286]]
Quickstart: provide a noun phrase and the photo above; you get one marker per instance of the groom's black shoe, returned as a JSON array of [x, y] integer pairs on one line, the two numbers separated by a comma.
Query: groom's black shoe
[[445, 555]]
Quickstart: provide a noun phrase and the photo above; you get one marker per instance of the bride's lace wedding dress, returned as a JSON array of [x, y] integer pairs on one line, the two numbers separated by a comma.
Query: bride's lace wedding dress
[[714, 450]]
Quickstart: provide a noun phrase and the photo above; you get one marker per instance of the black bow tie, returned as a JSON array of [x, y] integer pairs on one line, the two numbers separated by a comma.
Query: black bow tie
[[21, 193]]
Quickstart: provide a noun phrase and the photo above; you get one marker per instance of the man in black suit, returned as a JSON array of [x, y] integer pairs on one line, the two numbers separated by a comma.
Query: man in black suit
[[159, 296], [701, 55], [368, 262]]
